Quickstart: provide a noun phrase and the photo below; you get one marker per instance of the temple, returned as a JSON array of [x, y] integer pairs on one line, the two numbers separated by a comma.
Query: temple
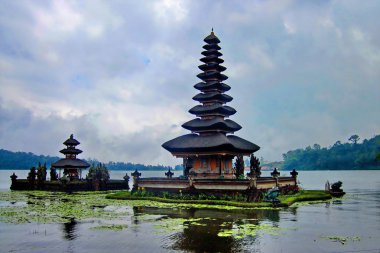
[[96, 179], [71, 165], [209, 149]]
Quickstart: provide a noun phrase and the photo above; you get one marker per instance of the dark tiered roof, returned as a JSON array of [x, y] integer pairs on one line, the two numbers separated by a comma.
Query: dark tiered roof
[[213, 110], [211, 131], [70, 150], [202, 86], [198, 125], [71, 141], [212, 96], [209, 144], [71, 163]]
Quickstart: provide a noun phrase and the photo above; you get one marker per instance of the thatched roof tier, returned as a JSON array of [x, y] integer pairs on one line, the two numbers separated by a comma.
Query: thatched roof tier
[[212, 58], [216, 143], [215, 124], [212, 46], [212, 66], [212, 75], [212, 52], [71, 141], [202, 86], [73, 151], [212, 97], [214, 109], [70, 163], [211, 39]]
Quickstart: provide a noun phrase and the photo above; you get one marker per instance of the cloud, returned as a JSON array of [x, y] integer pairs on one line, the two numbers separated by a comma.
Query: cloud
[[120, 75]]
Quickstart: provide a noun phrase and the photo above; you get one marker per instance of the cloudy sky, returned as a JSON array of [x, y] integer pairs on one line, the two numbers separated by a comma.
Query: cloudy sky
[[119, 75]]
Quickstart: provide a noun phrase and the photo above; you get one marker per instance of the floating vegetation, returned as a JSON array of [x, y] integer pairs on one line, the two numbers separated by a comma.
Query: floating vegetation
[[342, 239], [171, 225], [113, 227], [57, 207], [242, 230], [308, 196], [286, 200]]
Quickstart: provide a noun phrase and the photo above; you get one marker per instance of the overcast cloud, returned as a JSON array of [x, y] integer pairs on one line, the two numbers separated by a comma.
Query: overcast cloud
[[119, 75]]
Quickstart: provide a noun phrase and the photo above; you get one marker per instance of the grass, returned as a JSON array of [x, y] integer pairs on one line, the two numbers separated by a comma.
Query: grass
[[286, 200], [126, 195], [304, 195]]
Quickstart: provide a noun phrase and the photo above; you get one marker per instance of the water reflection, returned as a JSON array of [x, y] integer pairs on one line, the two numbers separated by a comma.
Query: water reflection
[[69, 230], [202, 226]]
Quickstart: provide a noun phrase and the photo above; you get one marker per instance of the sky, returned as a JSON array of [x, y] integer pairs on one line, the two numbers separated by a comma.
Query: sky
[[119, 75]]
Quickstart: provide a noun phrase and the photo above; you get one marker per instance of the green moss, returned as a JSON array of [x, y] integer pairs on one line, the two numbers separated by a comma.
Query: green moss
[[342, 239], [112, 227], [304, 195], [286, 200], [242, 230], [53, 207], [177, 224]]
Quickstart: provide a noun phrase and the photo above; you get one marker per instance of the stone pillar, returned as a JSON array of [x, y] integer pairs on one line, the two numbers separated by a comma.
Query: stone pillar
[[126, 179], [136, 175], [275, 174]]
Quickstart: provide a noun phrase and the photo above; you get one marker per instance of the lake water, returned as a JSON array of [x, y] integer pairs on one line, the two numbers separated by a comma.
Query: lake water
[[350, 224]]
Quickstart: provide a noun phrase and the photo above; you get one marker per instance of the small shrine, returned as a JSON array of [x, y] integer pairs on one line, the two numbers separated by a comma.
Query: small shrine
[[211, 146], [71, 165]]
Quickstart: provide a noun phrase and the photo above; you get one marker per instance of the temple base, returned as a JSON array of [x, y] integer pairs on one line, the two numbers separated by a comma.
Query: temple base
[[212, 185]]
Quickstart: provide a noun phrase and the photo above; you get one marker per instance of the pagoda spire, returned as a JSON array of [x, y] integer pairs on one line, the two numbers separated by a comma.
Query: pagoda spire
[[211, 127], [212, 111]]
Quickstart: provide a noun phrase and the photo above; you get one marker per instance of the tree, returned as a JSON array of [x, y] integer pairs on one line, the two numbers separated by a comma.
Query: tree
[[255, 166], [354, 138], [338, 157], [53, 174], [317, 146], [239, 166], [100, 172]]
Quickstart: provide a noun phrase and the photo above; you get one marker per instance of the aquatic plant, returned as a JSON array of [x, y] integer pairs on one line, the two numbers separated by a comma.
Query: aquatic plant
[[56, 207], [241, 230], [237, 201], [342, 239], [113, 227]]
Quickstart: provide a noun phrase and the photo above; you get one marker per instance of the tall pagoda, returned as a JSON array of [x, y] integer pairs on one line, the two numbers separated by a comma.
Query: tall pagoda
[[71, 165], [209, 149]]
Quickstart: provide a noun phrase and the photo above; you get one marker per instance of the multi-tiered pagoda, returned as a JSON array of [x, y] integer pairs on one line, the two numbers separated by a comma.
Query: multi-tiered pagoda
[[71, 165], [209, 150]]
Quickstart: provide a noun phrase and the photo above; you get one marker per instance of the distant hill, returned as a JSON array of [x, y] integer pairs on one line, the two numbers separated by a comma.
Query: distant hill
[[340, 156], [23, 161]]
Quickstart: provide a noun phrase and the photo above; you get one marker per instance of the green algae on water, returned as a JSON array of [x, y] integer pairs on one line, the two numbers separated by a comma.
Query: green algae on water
[[342, 239], [58, 207], [113, 227], [242, 230], [171, 225]]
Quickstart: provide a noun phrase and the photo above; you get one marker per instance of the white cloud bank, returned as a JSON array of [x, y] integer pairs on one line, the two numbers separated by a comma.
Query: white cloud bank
[[119, 75]]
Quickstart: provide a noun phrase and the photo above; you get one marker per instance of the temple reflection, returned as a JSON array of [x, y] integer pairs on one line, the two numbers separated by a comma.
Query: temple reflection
[[69, 230], [203, 233]]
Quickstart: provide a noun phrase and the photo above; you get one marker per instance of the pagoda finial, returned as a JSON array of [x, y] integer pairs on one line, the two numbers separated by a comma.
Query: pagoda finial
[[212, 30], [72, 136]]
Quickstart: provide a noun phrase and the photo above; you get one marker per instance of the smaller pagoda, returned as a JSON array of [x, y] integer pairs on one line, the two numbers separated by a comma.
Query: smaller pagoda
[[71, 165]]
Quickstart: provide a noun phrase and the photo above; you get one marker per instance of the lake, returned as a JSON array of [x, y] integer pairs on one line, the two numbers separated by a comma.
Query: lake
[[350, 224]]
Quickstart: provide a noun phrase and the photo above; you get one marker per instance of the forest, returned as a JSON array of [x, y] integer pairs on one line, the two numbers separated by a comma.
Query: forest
[[23, 161], [351, 155]]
